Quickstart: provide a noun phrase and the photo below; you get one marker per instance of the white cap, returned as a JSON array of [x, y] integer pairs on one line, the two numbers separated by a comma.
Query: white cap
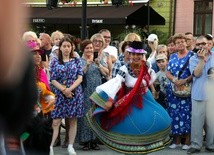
[[210, 35], [55, 48], [152, 37]]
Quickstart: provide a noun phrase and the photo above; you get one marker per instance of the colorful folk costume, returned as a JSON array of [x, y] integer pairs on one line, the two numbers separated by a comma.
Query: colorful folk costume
[[46, 98], [125, 116], [40, 130]]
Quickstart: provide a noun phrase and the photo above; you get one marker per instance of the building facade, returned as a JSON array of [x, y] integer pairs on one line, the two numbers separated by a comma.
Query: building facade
[[194, 16]]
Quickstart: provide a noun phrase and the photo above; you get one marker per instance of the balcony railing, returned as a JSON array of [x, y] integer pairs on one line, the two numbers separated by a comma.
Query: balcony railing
[[80, 3]]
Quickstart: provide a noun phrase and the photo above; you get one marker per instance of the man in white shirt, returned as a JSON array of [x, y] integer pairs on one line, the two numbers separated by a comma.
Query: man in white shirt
[[109, 49]]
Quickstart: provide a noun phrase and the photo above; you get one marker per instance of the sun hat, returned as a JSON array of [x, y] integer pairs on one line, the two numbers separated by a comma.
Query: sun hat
[[34, 47], [136, 47]]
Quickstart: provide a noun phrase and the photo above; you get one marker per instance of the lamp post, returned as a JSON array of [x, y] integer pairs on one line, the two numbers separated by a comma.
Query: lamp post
[[148, 7], [84, 20]]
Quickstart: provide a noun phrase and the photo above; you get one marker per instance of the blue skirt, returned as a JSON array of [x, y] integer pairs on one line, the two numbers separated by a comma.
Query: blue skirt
[[142, 131]]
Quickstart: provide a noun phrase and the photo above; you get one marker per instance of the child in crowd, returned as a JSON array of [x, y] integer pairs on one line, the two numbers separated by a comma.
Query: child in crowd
[[56, 36], [171, 46], [162, 49], [54, 52], [162, 81]]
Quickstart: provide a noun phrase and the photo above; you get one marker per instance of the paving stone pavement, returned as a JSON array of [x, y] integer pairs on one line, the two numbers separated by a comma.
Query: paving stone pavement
[[106, 151]]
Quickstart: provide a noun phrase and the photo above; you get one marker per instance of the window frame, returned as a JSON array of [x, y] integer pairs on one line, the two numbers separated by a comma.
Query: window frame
[[203, 13]]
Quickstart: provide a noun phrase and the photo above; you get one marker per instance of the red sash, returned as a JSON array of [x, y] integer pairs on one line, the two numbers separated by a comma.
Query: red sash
[[123, 105]]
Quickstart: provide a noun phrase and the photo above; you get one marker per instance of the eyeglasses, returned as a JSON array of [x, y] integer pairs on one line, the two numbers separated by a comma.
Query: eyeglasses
[[151, 42], [203, 43], [97, 41]]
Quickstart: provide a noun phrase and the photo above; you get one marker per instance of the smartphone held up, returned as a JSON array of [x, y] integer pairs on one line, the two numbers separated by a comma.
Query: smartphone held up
[[95, 56]]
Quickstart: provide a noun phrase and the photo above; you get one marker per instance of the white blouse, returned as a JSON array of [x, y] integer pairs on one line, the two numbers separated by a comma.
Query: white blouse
[[112, 86]]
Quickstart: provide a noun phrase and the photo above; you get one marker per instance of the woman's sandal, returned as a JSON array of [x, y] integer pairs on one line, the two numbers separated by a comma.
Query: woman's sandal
[[86, 146]]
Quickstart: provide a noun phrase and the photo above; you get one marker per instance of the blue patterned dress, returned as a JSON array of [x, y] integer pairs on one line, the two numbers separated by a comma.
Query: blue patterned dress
[[179, 108], [67, 74], [93, 78]]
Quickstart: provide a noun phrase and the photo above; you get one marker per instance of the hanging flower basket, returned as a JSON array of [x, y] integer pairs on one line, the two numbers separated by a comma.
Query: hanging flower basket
[[70, 2], [66, 1]]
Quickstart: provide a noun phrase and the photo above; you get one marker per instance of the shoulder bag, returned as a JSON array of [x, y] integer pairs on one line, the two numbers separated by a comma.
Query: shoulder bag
[[185, 89]]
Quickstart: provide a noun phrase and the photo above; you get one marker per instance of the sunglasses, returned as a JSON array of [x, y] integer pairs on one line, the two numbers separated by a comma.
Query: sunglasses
[[203, 43]]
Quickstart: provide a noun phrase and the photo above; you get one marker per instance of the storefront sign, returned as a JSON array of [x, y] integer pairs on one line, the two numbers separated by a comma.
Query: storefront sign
[[38, 20], [97, 21]]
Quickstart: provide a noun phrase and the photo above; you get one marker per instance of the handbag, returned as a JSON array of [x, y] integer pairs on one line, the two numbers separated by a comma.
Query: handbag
[[185, 89]]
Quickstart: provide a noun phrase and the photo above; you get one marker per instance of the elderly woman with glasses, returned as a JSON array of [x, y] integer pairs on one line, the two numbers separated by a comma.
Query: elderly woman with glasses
[[101, 58]]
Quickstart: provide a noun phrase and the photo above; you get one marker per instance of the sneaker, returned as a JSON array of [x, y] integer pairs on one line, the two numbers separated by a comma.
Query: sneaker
[[71, 151], [173, 146], [51, 151], [185, 147], [193, 150]]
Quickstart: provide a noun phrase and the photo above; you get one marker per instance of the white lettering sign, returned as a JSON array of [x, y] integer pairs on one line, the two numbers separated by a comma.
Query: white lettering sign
[[97, 21], [38, 20]]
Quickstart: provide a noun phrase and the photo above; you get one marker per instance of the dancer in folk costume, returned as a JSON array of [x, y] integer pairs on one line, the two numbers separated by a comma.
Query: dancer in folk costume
[[46, 97], [125, 116]]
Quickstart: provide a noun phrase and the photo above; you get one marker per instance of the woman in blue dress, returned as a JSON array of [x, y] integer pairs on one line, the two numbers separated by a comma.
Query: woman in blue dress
[[92, 77], [179, 108], [66, 77], [125, 117]]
